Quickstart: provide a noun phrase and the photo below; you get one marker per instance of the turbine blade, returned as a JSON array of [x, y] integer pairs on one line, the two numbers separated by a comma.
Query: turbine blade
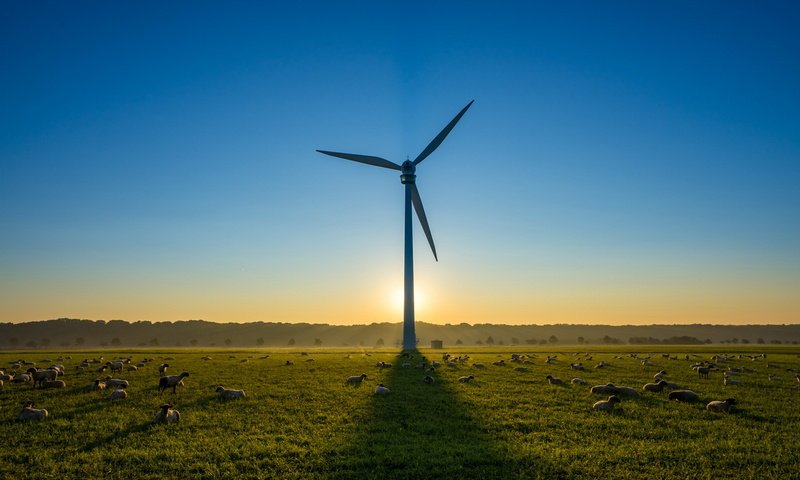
[[369, 160], [440, 138], [417, 201]]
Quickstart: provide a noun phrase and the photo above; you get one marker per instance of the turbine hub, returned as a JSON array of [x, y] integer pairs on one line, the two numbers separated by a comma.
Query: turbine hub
[[407, 176]]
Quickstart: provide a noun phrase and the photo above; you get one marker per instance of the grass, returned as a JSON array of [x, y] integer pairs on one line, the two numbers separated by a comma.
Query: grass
[[302, 422]]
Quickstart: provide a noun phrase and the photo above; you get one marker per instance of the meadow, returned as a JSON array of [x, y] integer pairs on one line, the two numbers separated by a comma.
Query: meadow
[[301, 421]]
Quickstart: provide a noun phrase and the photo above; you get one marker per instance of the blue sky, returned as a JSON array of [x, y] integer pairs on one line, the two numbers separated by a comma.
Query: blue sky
[[622, 163]]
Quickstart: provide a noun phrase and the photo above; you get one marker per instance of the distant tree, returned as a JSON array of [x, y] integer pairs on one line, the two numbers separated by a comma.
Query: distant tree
[[291, 342], [794, 342], [760, 341], [80, 341], [141, 344], [745, 341], [459, 342], [490, 340], [259, 341], [581, 340], [45, 342], [361, 343], [735, 340], [543, 342], [193, 342], [514, 341], [775, 342], [14, 341], [553, 339], [379, 342], [103, 344], [228, 342], [64, 343], [317, 342], [479, 342], [31, 343], [501, 342], [116, 342], [153, 341], [708, 341], [531, 341]]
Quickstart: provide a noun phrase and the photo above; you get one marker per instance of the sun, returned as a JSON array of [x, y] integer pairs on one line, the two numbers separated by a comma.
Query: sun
[[398, 298]]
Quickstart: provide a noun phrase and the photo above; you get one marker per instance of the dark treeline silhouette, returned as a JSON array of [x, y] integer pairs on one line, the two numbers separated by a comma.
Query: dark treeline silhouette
[[73, 333]]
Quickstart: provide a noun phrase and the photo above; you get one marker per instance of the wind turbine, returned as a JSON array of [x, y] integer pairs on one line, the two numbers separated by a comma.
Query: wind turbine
[[408, 178]]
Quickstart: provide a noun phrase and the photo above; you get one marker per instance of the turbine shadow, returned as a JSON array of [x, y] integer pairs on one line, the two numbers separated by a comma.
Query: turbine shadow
[[416, 431]]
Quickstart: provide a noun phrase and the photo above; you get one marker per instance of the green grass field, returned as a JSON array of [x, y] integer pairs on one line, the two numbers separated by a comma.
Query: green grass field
[[302, 422]]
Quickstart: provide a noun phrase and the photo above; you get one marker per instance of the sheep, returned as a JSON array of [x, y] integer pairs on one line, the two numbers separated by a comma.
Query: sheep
[[466, 379], [30, 413], [289, 363], [655, 387], [171, 381], [205, 358], [132, 368], [116, 383], [576, 366], [118, 394], [659, 376], [602, 364], [608, 389], [721, 406], [162, 369], [627, 391], [480, 365], [499, 363], [381, 390], [554, 381], [606, 405], [41, 376], [383, 365], [99, 384], [428, 379], [730, 381], [578, 381], [54, 384], [684, 396], [167, 414], [355, 379], [520, 369], [702, 372], [226, 394], [115, 366]]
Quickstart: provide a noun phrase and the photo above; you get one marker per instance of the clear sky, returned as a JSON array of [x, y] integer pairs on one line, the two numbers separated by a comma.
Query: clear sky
[[624, 162]]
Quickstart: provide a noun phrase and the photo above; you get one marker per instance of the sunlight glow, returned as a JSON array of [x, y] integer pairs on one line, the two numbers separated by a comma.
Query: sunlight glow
[[397, 297]]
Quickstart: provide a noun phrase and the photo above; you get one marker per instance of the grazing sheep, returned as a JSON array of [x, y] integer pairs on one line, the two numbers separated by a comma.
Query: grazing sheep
[[428, 379], [171, 381], [466, 379], [99, 384], [554, 381], [499, 363], [116, 383], [684, 396], [627, 391], [730, 381], [41, 376], [659, 376], [608, 389], [578, 381], [162, 369], [226, 394], [288, 363], [21, 378], [132, 368], [54, 384], [702, 372], [602, 364], [606, 405], [480, 365], [576, 366], [30, 413], [118, 394], [655, 387], [721, 406], [355, 379], [115, 366], [381, 390], [205, 358], [167, 414]]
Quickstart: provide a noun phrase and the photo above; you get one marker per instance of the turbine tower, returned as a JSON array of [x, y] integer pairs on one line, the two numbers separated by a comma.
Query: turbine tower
[[408, 178]]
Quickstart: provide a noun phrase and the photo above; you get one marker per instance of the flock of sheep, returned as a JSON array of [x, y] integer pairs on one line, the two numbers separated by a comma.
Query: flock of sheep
[[25, 372], [48, 378]]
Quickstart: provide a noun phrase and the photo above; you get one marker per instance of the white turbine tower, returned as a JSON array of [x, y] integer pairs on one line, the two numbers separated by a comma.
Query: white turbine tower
[[408, 178]]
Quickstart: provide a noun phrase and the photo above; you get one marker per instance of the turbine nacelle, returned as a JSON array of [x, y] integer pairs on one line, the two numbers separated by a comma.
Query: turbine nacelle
[[407, 170]]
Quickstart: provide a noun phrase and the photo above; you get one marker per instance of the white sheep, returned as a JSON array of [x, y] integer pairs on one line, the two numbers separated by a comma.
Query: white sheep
[[381, 389], [478, 365], [167, 415], [730, 381], [41, 376], [162, 369], [721, 406], [99, 384], [466, 379], [684, 396], [132, 368], [578, 381], [118, 394], [554, 381], [608, 389], [30, 413], [606, 405], [116, 383], [226, 394], [54, 384], [171, 381], [655, 387], [355, 380]]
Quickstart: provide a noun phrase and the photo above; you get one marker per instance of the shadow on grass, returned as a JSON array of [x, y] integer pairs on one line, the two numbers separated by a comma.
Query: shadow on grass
[[117, 435], [425, 430]]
